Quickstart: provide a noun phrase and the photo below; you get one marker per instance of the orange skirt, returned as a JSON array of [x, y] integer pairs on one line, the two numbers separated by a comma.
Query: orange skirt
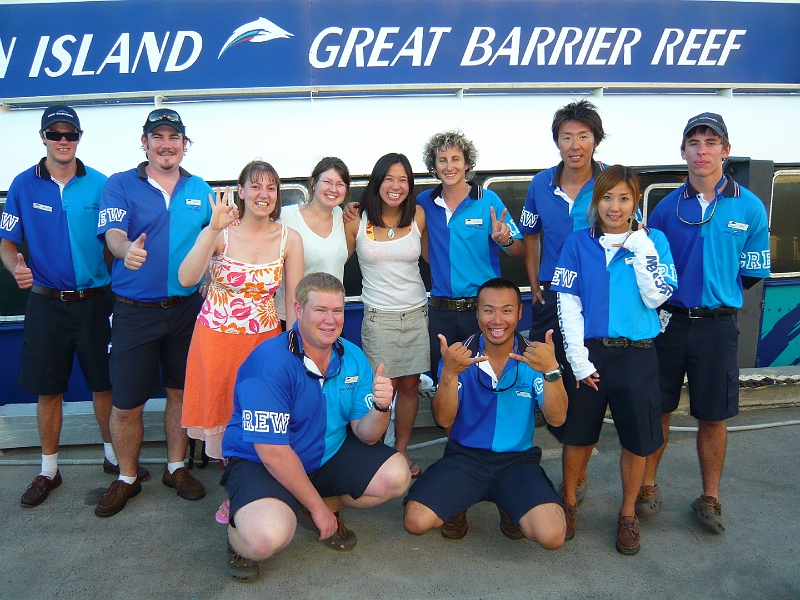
[[213, 361]]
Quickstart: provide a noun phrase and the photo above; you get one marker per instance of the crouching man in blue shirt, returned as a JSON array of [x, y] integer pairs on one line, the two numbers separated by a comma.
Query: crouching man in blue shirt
[[307, 420], [489, 388]]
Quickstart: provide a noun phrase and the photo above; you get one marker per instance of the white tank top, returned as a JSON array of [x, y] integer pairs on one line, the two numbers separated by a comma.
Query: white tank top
[[390, 270], [320, 254]]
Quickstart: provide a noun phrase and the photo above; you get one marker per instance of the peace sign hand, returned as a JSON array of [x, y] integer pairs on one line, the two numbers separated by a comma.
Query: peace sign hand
[[501, 231], [223, 214]]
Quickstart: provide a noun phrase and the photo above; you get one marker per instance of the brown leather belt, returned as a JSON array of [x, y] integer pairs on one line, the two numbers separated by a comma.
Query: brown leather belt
[[703, 313], [623, 342], [459, 304], [68, 295], [168, 303]]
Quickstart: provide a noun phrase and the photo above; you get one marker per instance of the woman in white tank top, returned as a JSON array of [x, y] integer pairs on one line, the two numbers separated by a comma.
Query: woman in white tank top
[[319, 222], [388, 238]]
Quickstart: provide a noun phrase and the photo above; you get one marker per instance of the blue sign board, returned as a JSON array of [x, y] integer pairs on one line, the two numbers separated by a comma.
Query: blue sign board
[[97, 48]]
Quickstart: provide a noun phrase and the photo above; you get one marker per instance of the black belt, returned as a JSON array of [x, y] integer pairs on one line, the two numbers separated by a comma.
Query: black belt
[[703, 313], [623, 342], [168, 303], [68, 295], [459, 304]]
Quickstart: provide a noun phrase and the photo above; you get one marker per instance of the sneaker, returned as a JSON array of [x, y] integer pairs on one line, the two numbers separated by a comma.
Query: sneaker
[[508, 528], [39, 489], [116, 497], [570, 511], [648, 502], [709, 511], [343, 540], [628, 538], [184, 482], [456, 528], [111, 468], [241, 568], [580, 491]]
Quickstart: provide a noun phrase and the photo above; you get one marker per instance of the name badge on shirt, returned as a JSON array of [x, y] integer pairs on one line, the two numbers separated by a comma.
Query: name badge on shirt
[[351, 379], [191, 202], [473, 221], [43, 207], [740, 226], [523, 393]]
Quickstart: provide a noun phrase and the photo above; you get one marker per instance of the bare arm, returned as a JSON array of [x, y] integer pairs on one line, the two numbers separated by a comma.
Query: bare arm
[[15, 263], [533, 249], [292, 273], [131, 253], [284, 465], [541, 356], [372, 425], [350, 232], [422, 224]]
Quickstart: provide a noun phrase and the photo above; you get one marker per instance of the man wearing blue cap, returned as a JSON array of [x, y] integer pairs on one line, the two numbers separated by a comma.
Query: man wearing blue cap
[[53, 206], [150, 218], [719, 236]]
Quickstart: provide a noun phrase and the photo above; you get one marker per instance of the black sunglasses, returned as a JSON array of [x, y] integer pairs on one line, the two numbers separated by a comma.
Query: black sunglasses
[[55, 136], [160, 115]]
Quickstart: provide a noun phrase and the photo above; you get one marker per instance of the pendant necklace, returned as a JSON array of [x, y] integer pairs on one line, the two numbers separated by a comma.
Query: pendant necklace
[[390, 233]]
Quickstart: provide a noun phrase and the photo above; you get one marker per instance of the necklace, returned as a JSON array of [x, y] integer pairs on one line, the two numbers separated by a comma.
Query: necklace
[[390, 233]]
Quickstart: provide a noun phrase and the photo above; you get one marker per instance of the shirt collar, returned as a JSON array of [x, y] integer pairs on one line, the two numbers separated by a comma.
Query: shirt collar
[[475, 191], [141, 173], [41, 169], [731, 190], [295, 346], [597, 168]]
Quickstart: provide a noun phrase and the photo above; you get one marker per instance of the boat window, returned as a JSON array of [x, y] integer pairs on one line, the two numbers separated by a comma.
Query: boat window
[[784, 237]]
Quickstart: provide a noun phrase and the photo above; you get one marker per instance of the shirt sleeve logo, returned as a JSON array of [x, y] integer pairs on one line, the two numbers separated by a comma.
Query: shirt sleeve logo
[[528, 219], [564, 277], [8, 222], [753, 261], [260, 421], [111, 215]]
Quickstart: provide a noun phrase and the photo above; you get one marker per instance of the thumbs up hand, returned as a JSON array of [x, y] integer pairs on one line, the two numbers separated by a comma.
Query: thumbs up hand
[[22, 273], [382, 389], [136, 254]]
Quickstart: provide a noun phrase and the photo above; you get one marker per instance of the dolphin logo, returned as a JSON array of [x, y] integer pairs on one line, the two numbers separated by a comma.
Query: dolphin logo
[[260, 30]]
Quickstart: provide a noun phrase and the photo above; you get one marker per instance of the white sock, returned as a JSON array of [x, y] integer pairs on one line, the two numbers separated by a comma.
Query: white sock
[[108, 449], [172, 467], [49, 465], [126, 479]]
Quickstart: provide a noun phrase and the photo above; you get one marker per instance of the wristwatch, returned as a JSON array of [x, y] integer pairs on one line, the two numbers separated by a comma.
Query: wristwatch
[[553, 375], [388, 408]]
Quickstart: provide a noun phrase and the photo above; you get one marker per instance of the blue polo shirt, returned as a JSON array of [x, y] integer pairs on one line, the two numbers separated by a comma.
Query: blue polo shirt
[[461, 251], [59, 227], [501, 421], [277, 400], [711, 258], [612, 304], [131, 203], [546, 209]]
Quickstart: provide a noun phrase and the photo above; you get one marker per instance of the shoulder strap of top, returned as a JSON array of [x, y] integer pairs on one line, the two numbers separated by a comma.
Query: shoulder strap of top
[[284, 236], [224, 241]]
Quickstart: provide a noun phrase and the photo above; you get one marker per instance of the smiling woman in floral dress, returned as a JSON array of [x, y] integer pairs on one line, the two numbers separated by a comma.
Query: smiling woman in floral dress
[[249, 256]]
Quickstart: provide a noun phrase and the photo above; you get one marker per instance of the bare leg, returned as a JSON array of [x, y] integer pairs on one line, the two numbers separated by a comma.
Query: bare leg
[[545, 524], [652, 461], [419, 518], [49, 418], [127, 432], [406, 407], [391, 481], [102, 402], [177, 440], [262, 528], [573, 463], [712, 441], [631, 468]]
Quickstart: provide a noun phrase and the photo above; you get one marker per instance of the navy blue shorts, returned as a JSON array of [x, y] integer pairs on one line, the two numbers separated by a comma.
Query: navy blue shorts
[[705, 351], [144, 338], [455, 325], [54, 332], [464, 476], [349, 471], [629, 386]]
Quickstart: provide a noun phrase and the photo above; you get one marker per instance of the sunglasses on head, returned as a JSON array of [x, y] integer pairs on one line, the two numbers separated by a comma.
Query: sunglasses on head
[[169, 115], [55, 136]]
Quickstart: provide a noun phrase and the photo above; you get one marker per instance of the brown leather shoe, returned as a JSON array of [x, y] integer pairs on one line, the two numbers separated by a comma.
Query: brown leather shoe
[[109, 467], [570, 510], [39, 489], [116, 497], [182, 480], [628, 539], [508, 528], [456, 528]]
